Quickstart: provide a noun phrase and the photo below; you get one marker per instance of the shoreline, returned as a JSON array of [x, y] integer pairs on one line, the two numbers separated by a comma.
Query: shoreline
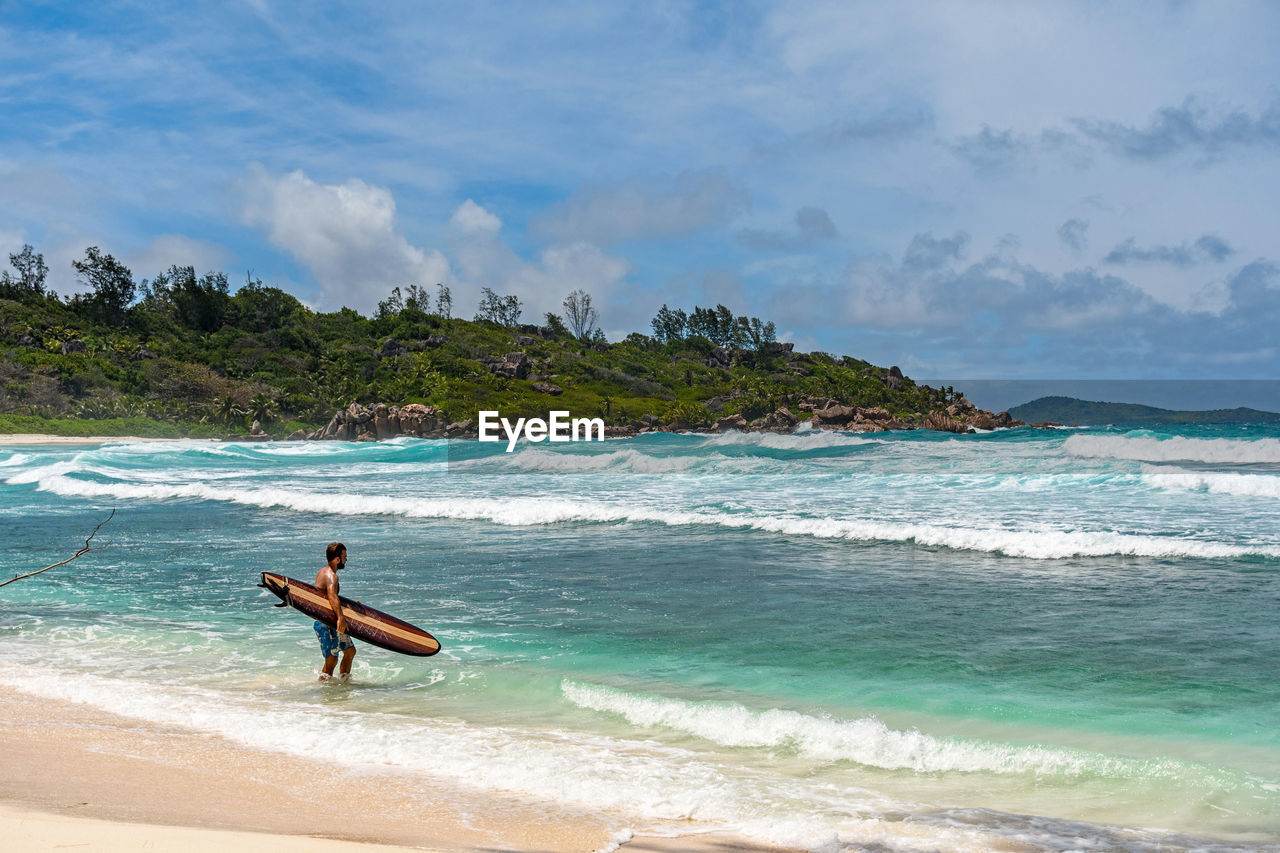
[[35, 439], [79, 775]]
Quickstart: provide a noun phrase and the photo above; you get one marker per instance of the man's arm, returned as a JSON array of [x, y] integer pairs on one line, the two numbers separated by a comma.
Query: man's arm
[[332, 592]]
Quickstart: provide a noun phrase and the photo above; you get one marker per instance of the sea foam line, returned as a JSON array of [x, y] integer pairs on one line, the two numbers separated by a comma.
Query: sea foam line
[[867, 741], [1042, 544], [641, 780], [1178, 449], [1218, 483]]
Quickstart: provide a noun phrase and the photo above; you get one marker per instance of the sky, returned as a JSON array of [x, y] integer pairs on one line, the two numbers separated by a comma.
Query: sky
[[988, 190]]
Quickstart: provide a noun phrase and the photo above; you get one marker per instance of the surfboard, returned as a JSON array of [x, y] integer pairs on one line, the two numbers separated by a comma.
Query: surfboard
[[363, 622]]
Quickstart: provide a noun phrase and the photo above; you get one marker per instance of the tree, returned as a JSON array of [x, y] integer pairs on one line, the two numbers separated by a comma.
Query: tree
[[444, 301], [726, 328], [258, 308], [502, 310], [580, 315], [556, 326], [32, 272], [669, 326], [417, 299], [511, 310], [761, 333], [197, 303], [262, 408], [227, 409], [391, 306], [490, 306], [702, 323], [112, 283]]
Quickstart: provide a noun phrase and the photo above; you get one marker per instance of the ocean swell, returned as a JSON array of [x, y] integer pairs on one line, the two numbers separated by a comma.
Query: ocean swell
[[1225, 451], [1043, 543], [869, 741]]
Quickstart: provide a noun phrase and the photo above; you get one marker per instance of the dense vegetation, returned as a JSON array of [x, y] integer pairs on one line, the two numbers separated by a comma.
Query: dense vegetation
[[186, 350], [1068, 410]]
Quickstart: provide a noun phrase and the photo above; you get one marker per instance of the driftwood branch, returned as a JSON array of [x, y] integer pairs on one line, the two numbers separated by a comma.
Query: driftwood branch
[[88, 546]]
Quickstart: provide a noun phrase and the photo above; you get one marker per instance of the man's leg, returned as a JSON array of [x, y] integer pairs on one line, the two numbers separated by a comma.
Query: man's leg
[[329, 663], [347, 655]]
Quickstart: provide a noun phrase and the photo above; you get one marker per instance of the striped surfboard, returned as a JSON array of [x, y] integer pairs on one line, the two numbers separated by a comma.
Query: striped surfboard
[[363, 623]]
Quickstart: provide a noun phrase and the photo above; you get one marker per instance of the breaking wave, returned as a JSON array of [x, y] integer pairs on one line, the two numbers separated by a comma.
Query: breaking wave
[[811, 439], [1226, 451], [631, 460], [1041, 544], [1246, 485], [868, 741]]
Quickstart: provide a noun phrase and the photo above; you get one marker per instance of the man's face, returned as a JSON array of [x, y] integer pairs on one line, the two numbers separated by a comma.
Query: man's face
[[342, 560]]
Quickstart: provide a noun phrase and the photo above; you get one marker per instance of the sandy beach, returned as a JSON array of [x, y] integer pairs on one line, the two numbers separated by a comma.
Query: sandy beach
[[78, 777], [36, 439]]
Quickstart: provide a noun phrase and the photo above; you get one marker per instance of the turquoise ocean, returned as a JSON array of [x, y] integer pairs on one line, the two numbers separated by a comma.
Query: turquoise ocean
[[1050, 640]]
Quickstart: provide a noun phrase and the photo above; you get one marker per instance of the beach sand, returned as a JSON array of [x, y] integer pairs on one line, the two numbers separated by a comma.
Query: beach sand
[[36, 439], [77, 777]]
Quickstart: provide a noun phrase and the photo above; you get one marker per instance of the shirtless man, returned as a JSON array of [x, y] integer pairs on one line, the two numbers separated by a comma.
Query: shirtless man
[[331, 641]]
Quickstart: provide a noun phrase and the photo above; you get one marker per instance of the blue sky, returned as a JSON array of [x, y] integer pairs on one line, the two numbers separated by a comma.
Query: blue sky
[[987, 190]]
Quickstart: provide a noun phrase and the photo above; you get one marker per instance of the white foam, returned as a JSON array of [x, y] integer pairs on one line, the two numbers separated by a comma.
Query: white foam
[[1218, 483], [807, 439], [538, 459], [642, 780], [15, 460], [866, 741], [1043, 543], [1178, 449]]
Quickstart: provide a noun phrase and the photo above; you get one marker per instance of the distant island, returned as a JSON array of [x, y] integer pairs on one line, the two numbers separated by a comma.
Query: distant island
[[1069, 410]]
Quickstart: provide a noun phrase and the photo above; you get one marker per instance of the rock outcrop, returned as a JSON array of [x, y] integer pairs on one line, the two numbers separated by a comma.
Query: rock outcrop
[[362, 423], [392, 348], [945, 423], [856, 418], [513, 365]]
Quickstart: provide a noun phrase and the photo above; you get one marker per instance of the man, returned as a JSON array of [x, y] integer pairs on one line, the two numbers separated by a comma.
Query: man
[[331, 641]]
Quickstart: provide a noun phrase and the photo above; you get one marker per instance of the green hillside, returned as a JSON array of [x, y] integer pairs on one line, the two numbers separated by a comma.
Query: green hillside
[[186, 350], [1068, 410]]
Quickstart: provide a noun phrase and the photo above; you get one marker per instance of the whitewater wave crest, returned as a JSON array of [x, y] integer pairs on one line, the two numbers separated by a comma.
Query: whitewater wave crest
[[866, 741], [1223, 451], [1039, 544], [810, 439], [1218, 483], [642, 780], [537, 459]]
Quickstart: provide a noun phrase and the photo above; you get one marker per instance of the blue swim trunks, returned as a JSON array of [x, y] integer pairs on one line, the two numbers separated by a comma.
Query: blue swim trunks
[[331, 642]]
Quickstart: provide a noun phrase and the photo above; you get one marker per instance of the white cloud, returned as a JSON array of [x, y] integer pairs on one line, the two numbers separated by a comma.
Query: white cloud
[[170, 249], [472, 218], [344, 234], [644, 207], [10, 243], [483, 260]]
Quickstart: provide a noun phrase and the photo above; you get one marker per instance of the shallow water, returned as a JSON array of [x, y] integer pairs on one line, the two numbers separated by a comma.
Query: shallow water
[[1063, 638]]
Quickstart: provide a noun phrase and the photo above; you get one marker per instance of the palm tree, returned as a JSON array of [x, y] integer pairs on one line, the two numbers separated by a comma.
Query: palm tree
[[262, 408], [227, 409]]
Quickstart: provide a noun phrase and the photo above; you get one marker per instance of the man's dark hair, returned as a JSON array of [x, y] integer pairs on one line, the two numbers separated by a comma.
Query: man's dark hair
[[334, 549]]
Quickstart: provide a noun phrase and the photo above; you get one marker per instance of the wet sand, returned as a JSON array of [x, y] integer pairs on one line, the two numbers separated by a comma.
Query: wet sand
[[76, 776]]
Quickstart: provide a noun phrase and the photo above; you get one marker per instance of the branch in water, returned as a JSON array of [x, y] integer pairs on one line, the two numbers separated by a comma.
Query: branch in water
[[85, 550]]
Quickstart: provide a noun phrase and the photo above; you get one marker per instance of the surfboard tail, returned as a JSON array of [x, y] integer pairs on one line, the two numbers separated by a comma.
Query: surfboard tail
[[278, 585]]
